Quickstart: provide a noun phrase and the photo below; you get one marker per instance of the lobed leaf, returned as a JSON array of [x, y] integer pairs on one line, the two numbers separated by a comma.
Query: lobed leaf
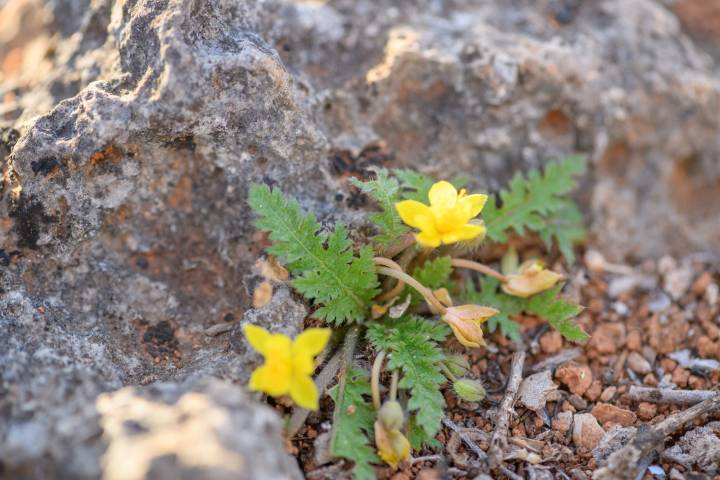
[[354, 427], [412, 343], [540, 204], [385, 191], [324, 267]]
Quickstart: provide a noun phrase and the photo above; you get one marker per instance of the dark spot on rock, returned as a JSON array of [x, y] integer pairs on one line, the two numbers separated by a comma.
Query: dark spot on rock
[[229, 317], [29, 215], [356, 199], [142, 262], [344, 163], [160, 341], [4, 258], [339, 197], [184, 142], [44, 166], [565, 11], [8, 138], [133, 427]]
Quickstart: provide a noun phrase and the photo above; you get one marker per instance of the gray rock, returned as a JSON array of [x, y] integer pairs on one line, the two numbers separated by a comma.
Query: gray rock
[[201, 429], [132, 129]]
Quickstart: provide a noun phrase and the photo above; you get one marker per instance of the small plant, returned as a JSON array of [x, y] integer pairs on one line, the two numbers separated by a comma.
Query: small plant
[[398, 294]]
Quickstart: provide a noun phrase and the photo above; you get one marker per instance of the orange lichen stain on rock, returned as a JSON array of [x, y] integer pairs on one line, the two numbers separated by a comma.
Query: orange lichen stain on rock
[[555, 123], [615, 159], [110, 153], [701, 18], [181, 196], [692, 190]]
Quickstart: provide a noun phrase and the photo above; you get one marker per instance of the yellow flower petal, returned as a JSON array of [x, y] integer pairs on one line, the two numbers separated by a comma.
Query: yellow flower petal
[[427, 239], [392, 445], [414, 213], [304, 392], [311, 341], [443, 195], [472, 205], [276, 378], [466, 232], [256, 336], [257, 378]]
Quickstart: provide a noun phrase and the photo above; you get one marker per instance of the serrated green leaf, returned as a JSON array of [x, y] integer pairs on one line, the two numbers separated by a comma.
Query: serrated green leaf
[[385, 191], [354, 427], [415, 186], [558, 312], [324, 267], [548, 305], [540, 204], [507, 305], [418, 437], [433, 274], [413, 349]]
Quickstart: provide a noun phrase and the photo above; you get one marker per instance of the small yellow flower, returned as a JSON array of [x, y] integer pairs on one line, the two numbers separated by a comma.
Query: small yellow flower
[[447, 218], [465, 322], [532, 278], [288, 365], [392, 445]]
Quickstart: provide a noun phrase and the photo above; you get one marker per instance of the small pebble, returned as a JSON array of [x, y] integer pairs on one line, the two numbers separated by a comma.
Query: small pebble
[[638, 363], [608, 393], [659, 303]]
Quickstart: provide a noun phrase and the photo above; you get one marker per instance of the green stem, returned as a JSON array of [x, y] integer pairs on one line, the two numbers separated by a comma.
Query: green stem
[[448, 373], [478, 267], [394, 385], [422, 290], [346, 361]]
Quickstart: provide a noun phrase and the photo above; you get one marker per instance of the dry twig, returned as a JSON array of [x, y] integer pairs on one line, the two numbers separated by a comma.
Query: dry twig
[[667, 395], [499, 440], [623, 463], [466, 438]]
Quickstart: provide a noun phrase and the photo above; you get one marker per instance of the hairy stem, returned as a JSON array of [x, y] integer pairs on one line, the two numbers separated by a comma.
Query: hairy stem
[[448, 373], [422, 290], [375, 379], [394, 385], [478, 267], [348, 350]]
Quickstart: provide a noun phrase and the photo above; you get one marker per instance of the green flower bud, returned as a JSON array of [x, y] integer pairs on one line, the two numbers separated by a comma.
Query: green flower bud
[[469, 390], [457, 364], [391, 415]]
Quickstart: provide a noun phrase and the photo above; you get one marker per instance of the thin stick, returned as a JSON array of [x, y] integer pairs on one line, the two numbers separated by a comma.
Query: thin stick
[[323, 379], [422, 290], [348, 351], [375, 379], [499, 441], [674, 397], [426, 458], [465, 438], [622, 464], [478, 267]]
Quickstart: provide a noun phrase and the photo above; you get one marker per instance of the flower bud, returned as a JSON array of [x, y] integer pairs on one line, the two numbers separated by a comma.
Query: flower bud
[[532, 278], [469, 390], [391, 415], [391, 444], [465, 322], [457, 364]]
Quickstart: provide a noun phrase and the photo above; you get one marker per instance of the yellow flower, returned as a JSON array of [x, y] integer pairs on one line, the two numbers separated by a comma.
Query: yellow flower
[[288, 365], [465, 322], [392, 445], [447, 218], [532, 278]]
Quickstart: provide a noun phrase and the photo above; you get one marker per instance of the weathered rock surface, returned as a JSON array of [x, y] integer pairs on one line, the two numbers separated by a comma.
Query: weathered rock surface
[[131, 129]]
